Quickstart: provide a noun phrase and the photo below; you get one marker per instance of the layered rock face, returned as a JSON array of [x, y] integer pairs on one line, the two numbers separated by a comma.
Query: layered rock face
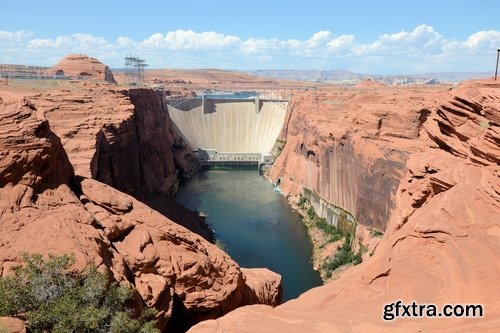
[[144, 154], [349, 146], [83, 66], [44, 209], [442, 232], [124, 139]]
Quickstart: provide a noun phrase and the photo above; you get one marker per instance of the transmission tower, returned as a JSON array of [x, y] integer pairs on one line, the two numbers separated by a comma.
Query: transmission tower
[[134, 69]]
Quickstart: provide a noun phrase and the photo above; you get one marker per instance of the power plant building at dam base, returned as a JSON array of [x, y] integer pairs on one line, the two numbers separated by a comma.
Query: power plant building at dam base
[[229, 131]]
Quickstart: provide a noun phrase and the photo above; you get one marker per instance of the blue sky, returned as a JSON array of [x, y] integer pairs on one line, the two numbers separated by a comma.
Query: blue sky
[[363, 36]]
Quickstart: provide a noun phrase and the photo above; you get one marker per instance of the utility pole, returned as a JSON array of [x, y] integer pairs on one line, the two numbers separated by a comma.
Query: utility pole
[[496, 68]]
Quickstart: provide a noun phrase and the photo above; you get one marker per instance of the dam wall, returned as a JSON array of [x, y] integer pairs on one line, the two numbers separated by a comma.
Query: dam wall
[[231, 129]]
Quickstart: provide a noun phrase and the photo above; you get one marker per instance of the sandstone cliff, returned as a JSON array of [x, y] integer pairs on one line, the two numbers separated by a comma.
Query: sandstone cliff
[[44, 209], [424, 166], [85, 67], [350, 145], [123, 138]]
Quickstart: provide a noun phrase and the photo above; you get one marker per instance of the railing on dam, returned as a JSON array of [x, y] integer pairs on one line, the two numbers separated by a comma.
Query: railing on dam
[[279, 96], [210, 157]]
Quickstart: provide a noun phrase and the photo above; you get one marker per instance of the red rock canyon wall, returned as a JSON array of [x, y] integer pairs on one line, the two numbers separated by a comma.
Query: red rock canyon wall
[[442, 234]]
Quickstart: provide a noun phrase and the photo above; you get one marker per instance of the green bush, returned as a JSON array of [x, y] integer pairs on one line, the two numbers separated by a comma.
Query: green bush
[[311, 214], [343, 256], [302, 201], [51, 298], [329, 229], [376, 233]]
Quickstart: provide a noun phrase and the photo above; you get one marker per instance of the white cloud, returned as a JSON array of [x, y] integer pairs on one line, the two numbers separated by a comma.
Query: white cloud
[[319, 38], [406, 51], [317, 45], [190, 40], [479, 43], [490, 38], [421, 40], [8, 38], [125, 42], [341, 44], [71, 42], [261, 46]]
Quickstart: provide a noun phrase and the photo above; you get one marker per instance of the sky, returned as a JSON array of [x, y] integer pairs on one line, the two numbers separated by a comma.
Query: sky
[[377, 37]]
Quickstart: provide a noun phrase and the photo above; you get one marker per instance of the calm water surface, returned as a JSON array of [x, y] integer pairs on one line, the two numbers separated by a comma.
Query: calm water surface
[[254, 223]]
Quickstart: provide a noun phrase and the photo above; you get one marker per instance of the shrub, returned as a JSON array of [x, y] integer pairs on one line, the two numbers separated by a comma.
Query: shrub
[[311, 214], [343, 256], [329, 229], [302, 201], [51, 298], [376, 233]]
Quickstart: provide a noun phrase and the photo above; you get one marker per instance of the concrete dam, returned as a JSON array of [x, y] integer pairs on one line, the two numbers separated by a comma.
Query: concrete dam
[[229, 131]]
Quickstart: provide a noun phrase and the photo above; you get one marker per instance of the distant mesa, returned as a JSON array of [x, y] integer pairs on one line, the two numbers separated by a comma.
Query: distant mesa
[[83, 66], [370, 83]]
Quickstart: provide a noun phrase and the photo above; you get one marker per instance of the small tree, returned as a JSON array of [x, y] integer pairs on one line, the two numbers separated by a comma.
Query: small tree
[[51, 298]]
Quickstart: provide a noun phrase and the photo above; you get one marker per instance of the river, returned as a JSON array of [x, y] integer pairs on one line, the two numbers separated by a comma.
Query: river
[[255, 225]]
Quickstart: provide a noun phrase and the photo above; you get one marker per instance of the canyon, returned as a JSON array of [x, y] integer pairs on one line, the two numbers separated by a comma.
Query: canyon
[[420, 164], [89, 167], [55, 199]]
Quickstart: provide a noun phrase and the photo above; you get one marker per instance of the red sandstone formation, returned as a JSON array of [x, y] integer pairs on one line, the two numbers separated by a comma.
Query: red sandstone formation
[[12, 325], [83, 66], [350, 146], [44, 209], [421, 164], [124, 139], [369, 83]]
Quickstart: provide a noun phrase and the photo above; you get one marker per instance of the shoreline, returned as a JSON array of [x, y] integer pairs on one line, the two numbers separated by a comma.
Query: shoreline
[[321, 248]]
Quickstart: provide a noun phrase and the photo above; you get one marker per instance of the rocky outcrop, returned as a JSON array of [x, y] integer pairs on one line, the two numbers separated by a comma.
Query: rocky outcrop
[[143, 154], [81, 66], [43, 209], [263, 286], [349, 146], [31, 154], [12, 325], [443, 232], [369, 83], [124, 139]]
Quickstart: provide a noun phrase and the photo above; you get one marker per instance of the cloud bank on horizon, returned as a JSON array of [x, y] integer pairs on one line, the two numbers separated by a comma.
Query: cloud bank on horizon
[[422, 50]]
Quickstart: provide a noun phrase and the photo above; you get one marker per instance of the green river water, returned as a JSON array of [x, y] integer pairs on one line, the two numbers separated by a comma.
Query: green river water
[[255, 224]]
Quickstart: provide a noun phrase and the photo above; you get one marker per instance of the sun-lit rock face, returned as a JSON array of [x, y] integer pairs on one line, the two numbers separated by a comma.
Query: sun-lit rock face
[[441, 214], [45, 209], [125, 139], [85, 67]]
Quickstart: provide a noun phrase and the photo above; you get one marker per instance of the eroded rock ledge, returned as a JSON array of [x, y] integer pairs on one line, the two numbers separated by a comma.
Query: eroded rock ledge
[[45, 209]]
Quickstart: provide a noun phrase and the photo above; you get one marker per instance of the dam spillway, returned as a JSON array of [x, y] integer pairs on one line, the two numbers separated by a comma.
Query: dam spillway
[[229, 129]]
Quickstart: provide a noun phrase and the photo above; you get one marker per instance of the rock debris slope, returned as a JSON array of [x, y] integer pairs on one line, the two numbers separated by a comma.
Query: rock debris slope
[[440, 209]]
